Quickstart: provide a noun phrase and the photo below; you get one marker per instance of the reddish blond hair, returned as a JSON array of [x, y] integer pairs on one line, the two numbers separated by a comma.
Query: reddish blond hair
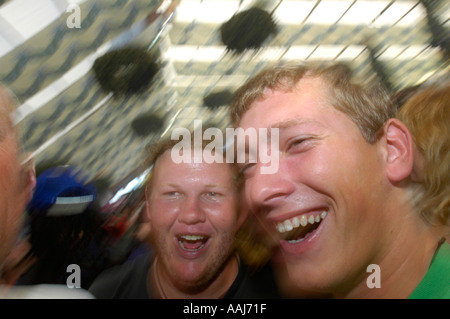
[[427, 115]]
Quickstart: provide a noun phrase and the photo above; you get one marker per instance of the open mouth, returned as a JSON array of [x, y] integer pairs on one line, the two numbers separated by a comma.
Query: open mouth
[[298, 228], [192, 243]]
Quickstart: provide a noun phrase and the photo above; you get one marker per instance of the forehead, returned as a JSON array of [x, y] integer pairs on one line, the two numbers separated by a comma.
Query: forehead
[[168, 171], [309, 101]]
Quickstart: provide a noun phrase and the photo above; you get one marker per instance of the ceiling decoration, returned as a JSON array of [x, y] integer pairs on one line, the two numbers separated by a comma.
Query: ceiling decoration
[[378, 67], [247, 30], [67, 118], [440, 35], [145, 124], [218, 98], [125, 71]]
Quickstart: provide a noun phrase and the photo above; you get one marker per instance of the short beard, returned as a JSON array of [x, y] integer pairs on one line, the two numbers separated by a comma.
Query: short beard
[[196, 285]]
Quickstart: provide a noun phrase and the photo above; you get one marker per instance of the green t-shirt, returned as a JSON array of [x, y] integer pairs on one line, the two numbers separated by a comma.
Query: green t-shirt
[[436, 283]]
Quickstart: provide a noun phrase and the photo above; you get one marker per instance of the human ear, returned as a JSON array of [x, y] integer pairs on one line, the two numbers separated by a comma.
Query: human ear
[[31, 180], [399, 150], [30, 176]]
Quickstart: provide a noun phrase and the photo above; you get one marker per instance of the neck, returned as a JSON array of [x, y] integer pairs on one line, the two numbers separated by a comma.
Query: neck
[[403, 261], [163, 288]]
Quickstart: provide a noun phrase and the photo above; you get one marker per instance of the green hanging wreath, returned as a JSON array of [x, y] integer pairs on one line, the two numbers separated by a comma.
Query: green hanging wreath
[[247, 30], [147, 123], [125, 71], [217, 99]]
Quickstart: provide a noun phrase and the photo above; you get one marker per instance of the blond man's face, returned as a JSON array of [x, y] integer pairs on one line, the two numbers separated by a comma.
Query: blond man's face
[[329, 181]]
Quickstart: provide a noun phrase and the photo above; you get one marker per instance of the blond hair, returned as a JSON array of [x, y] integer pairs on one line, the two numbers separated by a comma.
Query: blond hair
[[8, 104], [368, 105], [427, 116], [155, 151]]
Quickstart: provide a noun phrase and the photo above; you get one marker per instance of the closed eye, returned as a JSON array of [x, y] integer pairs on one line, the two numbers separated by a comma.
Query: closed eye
[[212, 196], [299, 144], [172, 194]]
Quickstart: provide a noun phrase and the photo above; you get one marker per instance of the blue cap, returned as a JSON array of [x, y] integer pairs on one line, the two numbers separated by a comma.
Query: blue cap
[[62, 191]]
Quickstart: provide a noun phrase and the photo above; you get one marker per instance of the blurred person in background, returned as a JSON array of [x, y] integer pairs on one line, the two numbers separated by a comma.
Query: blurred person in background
[[17, 182], [193, 214], [427, 115], [65, 228], [340, 207], [141, 236]]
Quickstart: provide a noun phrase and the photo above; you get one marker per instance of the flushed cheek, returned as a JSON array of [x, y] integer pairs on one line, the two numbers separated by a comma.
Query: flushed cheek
[[313, 169], [327, 167], [223, 217], [163, 212]]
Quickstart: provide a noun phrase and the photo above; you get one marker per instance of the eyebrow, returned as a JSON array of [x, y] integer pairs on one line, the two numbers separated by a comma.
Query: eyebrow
[[217, 186], [286, 124], [294, 122], [207, 185]]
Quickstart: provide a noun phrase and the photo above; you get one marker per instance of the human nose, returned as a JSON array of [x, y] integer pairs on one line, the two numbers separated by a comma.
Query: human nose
[[267, 190], [191, 212]]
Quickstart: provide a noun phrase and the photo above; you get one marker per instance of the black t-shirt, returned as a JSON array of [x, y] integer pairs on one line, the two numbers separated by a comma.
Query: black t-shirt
[[129, 281]]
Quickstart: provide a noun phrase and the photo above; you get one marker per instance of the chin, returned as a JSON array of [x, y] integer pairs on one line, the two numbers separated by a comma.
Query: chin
[[192, 283], [307, 278], [189, 272]]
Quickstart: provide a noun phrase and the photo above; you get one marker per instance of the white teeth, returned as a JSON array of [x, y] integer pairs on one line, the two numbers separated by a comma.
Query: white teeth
[[295, 222], [303, 221], [296, 241], [290, 224], [191, 237], [280, 228]]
